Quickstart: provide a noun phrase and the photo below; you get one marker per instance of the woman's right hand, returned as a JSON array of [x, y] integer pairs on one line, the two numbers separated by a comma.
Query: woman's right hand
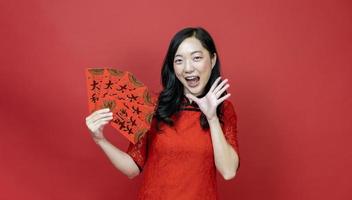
[[96, 122]]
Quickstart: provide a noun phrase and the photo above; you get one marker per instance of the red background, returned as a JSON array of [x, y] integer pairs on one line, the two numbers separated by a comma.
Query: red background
[[288, 62]]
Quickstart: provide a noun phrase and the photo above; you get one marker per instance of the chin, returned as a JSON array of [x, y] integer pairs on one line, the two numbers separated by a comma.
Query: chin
[[195, 91]]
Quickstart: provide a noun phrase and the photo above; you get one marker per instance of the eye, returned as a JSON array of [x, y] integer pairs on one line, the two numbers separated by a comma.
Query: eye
[[197, 58], [178, 61]]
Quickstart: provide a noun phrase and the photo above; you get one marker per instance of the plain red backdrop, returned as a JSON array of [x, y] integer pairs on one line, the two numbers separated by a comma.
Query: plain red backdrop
[[289, 66]]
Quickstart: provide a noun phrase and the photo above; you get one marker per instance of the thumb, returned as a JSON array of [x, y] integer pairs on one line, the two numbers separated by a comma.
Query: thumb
[[192, 97]]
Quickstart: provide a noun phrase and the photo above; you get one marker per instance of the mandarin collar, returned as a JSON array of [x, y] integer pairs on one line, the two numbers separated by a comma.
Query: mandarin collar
[[185, 103]]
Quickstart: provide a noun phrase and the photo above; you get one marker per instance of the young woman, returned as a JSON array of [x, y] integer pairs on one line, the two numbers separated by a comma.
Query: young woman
[[193, 131]]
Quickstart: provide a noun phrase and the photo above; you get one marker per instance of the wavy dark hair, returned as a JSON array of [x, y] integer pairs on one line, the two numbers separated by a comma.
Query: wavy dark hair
[[169, 100]]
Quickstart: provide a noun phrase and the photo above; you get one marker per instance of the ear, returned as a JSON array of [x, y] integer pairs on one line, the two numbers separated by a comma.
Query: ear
[[213, 61]]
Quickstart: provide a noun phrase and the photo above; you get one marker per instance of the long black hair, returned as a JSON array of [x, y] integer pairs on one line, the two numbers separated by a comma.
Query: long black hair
[[169, 100]]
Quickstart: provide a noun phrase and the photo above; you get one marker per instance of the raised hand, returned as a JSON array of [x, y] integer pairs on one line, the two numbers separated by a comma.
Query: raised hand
[[210, 101], [96, 122]]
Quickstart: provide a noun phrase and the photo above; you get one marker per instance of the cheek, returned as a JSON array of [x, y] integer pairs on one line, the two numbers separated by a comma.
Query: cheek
[[204, 68], [178, 71]]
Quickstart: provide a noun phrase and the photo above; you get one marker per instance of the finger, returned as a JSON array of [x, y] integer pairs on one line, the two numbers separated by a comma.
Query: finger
[[101, 111], [215, 84], [93, 121], [98, 122], [219, 93], [220, 86], [102, 123], [223, 98], [97, 127], [104, 110], [95, 113], [99, 116]]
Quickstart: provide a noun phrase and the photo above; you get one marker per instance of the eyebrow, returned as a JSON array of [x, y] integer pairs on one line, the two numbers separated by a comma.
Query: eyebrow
[[191, 53]]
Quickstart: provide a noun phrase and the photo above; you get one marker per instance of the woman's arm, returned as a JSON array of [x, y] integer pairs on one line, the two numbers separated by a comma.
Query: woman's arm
[[121, 160], [226, 158]]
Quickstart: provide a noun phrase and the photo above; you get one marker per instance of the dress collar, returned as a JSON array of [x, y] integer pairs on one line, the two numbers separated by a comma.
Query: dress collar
[[186, 105]]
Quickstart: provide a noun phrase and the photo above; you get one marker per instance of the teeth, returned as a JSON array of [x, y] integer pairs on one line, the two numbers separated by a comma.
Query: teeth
[[191, 77]]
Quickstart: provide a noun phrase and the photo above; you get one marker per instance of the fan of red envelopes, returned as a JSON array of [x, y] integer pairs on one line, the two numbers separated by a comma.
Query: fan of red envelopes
[[130, 100]]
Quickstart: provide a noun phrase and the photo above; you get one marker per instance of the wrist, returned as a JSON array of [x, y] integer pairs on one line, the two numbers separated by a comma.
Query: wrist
[[213, 119], [99, 141]]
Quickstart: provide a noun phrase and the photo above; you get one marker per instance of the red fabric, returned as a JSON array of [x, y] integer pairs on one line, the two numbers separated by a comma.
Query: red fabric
[[178, 161]]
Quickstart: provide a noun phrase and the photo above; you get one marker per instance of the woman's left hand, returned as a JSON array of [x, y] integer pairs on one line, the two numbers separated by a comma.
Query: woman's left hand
[[210, 101]]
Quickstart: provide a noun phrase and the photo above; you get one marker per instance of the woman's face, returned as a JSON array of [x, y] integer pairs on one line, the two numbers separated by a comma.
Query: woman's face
[[193, 65]]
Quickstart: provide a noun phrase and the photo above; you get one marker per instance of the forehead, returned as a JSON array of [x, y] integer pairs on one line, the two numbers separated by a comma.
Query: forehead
[[189, 45]]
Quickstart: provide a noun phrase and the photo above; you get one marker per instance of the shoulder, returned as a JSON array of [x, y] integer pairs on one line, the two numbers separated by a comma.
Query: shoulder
[[228, 110], [227, 104]]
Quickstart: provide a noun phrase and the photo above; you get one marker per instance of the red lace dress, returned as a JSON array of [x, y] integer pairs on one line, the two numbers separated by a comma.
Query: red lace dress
[[178, 162]]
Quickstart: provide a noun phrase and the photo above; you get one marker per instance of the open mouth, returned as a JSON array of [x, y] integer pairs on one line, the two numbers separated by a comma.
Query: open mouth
[[192, 81]]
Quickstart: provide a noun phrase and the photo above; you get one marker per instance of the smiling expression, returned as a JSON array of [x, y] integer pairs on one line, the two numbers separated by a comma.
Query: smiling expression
[[193, 65]]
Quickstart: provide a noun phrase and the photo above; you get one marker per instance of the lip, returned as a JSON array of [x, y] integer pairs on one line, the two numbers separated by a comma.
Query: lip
[[194, 76], [192, 84]]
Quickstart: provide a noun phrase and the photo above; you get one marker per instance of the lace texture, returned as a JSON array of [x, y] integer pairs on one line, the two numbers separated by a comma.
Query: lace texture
[[178, 161], [230, 127]]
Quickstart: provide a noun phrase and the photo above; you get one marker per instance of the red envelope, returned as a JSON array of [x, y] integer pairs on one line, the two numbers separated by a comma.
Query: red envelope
[[94, 78], [129, 99]]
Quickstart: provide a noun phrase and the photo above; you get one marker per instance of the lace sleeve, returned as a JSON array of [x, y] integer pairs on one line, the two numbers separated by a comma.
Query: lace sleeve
[[230, 126], [138, 151]]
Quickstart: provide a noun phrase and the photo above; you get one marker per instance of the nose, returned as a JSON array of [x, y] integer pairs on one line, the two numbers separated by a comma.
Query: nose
[[188, 67]]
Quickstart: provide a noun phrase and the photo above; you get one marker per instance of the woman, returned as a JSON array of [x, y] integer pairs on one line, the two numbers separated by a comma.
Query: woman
[[193, 131]]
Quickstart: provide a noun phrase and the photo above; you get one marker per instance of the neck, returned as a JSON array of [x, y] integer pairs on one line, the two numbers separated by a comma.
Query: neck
[[190, 100]]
